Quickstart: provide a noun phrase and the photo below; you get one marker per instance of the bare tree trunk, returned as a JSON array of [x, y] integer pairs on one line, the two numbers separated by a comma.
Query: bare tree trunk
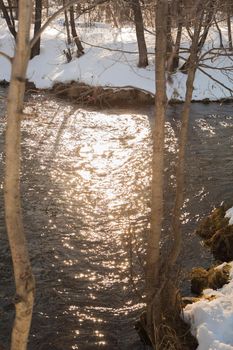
[[80, 49], [113, 15], [10, 24], [17, 9], [169, 31], [173, 60], [219, 32], [207, 24], [180, 171], [229, 26], [47, 8], [38, 15], [24, 280], [11, 12], [138, 20], [153, 249], [67, 24]]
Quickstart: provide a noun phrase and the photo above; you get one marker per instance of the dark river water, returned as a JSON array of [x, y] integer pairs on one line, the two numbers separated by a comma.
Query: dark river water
[[86, 201]]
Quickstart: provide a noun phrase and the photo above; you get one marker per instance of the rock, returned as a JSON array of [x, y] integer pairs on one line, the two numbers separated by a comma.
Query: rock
[[218, 234], [212, 223], [199, 280], [213, 278], [221, 243]]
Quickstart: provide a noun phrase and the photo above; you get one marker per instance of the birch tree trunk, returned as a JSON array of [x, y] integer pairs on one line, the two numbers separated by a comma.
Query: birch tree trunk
[[24, 280], [153, 249]]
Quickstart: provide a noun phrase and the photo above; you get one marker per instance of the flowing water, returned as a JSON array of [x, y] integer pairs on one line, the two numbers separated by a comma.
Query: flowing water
[[86, 203]]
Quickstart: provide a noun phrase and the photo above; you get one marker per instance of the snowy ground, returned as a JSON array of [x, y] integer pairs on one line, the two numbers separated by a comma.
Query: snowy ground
[[211, 318], [113, 68]]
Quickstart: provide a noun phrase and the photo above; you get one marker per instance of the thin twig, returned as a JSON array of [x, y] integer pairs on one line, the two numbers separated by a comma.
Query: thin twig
[[114, 50], [9, 58]]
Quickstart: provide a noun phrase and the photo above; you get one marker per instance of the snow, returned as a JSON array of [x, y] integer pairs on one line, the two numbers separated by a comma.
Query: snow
[[111, 68], [211, 318], [229, 214]]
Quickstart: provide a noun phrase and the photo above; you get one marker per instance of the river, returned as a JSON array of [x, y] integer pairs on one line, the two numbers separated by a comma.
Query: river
[[86, 204]]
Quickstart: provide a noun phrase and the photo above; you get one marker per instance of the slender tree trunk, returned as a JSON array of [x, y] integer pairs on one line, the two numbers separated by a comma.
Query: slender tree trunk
[[11, 12], [180, 171], [47, 8], [7, 18], [207, 24], [153, 248], [169, 32], [219, 32], [138, 20], [113, 15], [24, 280], [16, 2], [38, 16], [173, 60], [67, 25], [229, 26], [80, 49]]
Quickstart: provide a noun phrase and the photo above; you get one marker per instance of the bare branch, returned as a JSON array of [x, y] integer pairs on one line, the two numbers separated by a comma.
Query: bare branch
[[9, 58], [46, 24], [215, 80], [114, 50]]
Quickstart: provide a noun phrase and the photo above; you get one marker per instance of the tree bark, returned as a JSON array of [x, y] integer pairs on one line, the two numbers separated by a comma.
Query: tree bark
[[169, 32], [180, 170], [80, 49], [173, 60], [229, 26], [38, 16], [153, 248], [24, 280], [219, 32], [11, 12], [138, 20]]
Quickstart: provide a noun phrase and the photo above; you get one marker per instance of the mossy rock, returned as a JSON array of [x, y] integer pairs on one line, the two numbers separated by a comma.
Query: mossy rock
[[199, 280], [218, 234], [213, 278], [215, 221], [221, 244]]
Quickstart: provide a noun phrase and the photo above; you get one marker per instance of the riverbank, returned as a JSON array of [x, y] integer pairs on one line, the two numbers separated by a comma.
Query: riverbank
[[110, 61], [211, 314]]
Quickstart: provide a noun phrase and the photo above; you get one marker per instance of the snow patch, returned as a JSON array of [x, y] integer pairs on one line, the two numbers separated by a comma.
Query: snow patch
[[211, 318]]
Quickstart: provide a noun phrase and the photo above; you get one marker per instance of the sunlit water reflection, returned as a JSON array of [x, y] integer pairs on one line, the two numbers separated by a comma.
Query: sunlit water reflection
[[86, 198]]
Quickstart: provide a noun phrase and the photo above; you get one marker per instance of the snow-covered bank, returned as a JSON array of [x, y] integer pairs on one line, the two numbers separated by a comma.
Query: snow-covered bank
[[211, 318], [106, 67]]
